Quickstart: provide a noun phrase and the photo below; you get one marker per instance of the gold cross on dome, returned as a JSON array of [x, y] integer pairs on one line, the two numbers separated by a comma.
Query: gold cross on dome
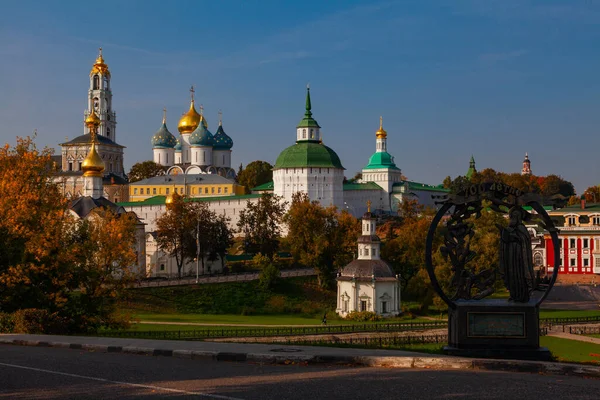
[[192, 91], [368, 205]]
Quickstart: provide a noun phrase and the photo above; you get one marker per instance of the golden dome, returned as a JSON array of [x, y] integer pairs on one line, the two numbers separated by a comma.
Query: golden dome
[[93, 165], [92, 121], [171, 197], [100, 67], [189, 121], [381, 133]]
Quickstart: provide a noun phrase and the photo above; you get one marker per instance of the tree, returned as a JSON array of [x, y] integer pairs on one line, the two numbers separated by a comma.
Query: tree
[[145, 170], [221, 237], [174, 231], [256, 173], [51, 261], [592, 194], [356, 178], [321, 237], [204, 221], [103, 246], [269, 272], [554, 184], [260, 224]]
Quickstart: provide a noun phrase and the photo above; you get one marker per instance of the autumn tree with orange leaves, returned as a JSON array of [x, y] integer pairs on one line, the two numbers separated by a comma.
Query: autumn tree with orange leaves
[[321, 237], [69, 270]]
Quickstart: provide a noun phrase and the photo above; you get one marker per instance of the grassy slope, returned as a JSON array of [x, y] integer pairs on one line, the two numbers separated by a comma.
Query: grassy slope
[[571, 350]]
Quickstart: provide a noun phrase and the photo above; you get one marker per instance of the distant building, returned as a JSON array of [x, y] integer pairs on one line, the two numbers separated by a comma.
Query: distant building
[[368, 283], [526, 170], [579, 234]]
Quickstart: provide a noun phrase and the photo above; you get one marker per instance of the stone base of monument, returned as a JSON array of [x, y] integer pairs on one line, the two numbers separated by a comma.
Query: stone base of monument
[[495, 328]]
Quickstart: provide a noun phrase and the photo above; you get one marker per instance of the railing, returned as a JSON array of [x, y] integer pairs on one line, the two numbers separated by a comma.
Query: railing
[[232, 277], [230, 332], [373, 342], [199, 334], [584, 330]]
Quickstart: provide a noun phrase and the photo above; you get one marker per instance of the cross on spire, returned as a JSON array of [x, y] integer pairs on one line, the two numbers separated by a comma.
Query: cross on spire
[[192, 91], [380, 122], [220, 118], [164, 115]]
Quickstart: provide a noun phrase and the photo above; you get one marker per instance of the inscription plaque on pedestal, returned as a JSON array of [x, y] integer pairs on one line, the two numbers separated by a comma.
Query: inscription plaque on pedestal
[[494, 325]]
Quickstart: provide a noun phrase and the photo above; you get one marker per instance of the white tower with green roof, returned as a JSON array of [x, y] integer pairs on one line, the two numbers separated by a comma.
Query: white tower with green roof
[[308, 166], [381, 168]]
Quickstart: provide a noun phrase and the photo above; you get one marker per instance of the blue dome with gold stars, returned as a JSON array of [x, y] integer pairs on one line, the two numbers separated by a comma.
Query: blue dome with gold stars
[[163, 138], [222, 140], [201, 137]]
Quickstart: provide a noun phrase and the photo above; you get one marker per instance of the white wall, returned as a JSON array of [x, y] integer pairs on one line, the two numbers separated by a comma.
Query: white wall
[[324, 185]]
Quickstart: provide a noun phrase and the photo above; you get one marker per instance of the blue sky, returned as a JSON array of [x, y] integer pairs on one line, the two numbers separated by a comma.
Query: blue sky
[[452, 78]]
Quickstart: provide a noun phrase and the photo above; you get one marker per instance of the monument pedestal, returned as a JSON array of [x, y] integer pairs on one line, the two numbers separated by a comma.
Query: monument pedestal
[[495, 328]]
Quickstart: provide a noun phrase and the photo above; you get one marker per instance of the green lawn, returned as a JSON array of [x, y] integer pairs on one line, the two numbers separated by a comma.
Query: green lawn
[[566, 350], [568, 313]]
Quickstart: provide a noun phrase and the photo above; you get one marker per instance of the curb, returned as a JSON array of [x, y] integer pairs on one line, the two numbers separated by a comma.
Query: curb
[[536, 367]]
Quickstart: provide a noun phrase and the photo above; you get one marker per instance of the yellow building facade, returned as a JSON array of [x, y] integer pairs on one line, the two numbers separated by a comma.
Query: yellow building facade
[[201, 185]]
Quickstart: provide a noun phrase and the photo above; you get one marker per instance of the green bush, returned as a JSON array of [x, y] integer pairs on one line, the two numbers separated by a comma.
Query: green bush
[[33, 320], [363, 316], [7, 323]]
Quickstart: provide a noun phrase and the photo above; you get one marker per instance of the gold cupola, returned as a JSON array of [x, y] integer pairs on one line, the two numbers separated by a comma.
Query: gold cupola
[[99, 66], [381, 133], [93, 165], [190, 120]]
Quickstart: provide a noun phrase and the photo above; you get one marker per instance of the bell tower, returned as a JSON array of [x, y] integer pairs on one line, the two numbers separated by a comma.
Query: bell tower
[[100, 99], [526, 170]]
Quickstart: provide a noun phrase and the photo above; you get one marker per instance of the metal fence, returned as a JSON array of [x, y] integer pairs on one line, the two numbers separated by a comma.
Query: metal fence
[[199, 334], [374, 342], [231, 277], [584, 330]]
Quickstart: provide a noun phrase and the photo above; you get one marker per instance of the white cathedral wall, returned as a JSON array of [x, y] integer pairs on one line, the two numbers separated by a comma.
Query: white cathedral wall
[[324, 185], [384, 177], [201, 155], [222, 158], [163, 156]]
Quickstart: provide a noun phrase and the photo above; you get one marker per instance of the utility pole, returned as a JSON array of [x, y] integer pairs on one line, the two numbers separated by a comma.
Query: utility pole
[[197, 247]]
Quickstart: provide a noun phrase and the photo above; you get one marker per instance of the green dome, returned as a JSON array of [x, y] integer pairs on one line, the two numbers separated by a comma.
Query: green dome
[[308, 154], [178, 145], [163, 138], [381, 160]]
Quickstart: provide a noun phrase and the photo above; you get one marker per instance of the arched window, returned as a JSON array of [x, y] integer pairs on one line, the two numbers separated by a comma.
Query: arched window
[[108, 132], [303, 133], [96, 84], [312, 133]]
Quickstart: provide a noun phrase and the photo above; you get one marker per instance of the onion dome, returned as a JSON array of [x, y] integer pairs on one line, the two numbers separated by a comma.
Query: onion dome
[[178, 146], [201, 137], [171, 197], [221, 140], [163, 138], [99, 66], [190, 120], [92, 165], [381, 159], [381, 133]]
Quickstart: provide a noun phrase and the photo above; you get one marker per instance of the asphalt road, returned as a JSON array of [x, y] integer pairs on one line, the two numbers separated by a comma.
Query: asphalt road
[[50, 373]]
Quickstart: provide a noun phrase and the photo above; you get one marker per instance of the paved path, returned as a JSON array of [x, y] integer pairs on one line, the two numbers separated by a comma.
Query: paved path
[[581, 338], [49, 373]]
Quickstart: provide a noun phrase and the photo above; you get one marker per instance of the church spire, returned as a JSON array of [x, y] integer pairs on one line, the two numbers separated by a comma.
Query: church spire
[[92, 166], [526, 170], [471, 169], [308, 128]]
